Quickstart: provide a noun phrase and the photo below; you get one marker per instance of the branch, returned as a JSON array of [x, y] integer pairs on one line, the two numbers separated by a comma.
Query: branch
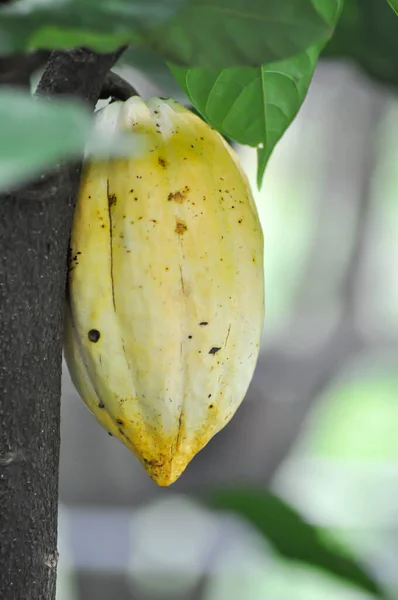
[[67, 74], [34, 232], [17, 69], [116, 87]]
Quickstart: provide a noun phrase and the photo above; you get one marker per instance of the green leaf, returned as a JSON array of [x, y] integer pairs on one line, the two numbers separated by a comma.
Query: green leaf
[[255, 105], [291, 536], [198, 33], [99, 24], [37, 133], [219, 34], [394, 5], [367, 33]]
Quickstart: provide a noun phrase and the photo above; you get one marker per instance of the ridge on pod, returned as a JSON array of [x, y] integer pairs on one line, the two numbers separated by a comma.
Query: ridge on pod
[[165, 294]]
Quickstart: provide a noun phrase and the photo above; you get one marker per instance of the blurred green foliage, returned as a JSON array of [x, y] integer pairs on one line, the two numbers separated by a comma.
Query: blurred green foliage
[[367, 33]]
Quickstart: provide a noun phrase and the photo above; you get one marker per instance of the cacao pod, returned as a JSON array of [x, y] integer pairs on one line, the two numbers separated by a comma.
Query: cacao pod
[[165, 296]]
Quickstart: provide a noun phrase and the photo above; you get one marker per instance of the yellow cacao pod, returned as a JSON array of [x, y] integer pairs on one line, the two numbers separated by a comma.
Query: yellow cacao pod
[[165, 297]]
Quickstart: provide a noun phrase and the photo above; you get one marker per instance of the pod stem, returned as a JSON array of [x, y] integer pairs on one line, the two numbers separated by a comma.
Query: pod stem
[[117, 88]]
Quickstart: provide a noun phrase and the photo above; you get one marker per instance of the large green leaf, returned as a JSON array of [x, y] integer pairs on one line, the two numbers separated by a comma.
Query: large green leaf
[[394, 5], [291, 536], [228, 33], [252, 106], [367, 33], [255, 105], [100, 24], [36, 134], [205, 33]]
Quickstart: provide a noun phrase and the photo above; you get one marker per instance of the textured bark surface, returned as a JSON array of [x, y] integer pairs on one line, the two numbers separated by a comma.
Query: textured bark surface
[[34, 232]]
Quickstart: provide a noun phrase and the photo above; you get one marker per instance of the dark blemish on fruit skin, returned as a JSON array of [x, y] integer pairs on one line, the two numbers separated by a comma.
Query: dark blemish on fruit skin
[[119, 422], [214, 350], [153, 463], [211, 405], [101, 405], [112, 199], [94, 335], [190, 337], [209, 396], [181, 227], [162, 162], [204, 323], [179, 196]]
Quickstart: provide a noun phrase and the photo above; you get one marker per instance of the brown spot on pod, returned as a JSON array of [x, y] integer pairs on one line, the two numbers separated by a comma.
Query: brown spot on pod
[[179, 196], [181, 227]]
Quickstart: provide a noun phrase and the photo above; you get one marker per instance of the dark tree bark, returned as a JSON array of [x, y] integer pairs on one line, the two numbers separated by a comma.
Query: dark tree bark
[[34, 231]]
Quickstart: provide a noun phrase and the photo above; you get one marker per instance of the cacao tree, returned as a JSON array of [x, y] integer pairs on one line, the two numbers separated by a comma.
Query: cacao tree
[[245, 68]]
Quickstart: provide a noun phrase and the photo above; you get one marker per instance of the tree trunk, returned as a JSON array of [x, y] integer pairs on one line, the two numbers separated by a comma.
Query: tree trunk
[[34, 232]]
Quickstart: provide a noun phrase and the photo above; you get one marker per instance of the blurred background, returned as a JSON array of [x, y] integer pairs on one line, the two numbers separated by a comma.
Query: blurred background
[[319, 425]]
